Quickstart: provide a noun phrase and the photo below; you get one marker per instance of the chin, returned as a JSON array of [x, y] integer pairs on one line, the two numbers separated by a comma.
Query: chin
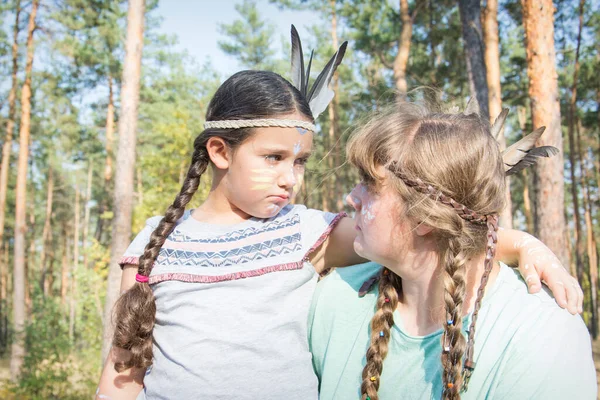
[[359, 249]]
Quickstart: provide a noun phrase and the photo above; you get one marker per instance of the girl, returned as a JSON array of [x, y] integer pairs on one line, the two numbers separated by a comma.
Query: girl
[[217, 298], [427, 210]]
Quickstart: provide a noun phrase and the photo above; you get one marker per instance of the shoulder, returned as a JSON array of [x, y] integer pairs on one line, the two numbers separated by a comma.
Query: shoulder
[[339, 290], [535, 312], [542, 343], [309, 215]]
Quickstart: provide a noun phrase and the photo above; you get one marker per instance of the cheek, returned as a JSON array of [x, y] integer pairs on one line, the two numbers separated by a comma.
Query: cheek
[[261, 178], [370, 209]]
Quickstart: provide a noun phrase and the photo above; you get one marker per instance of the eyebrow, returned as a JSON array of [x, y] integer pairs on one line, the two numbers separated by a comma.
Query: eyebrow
[[284, 151]]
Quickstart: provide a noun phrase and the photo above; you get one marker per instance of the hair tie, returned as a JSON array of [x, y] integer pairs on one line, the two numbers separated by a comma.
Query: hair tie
[[141, 278]]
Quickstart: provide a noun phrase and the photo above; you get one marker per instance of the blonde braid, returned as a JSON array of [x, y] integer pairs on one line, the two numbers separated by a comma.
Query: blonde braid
[[453, 340], [381, 325]]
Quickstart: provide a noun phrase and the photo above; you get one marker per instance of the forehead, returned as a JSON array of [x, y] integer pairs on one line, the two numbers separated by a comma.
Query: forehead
[[285, 138]]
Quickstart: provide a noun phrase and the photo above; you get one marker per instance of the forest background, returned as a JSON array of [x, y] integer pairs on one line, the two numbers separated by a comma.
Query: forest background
[[93, 144]]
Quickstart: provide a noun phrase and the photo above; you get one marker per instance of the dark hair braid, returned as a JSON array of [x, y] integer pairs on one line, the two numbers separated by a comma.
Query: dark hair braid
[[135, 310], [381, 326]]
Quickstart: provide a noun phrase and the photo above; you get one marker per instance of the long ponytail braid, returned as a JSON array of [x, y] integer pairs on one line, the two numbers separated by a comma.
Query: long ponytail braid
[[135, 310], [381, 326]]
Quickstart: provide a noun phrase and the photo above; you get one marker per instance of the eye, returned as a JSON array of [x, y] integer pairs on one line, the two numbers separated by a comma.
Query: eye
[[367, 180], [301, 162], [273, 158]]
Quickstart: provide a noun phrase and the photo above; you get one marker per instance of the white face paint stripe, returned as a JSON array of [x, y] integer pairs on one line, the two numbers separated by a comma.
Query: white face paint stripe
[[260, 187], [297, 148], [264, 179], [264, 171]]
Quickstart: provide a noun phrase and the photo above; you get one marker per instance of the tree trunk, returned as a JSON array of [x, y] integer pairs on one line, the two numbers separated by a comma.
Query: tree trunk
[[522, 117], [432, 45], [404, 41], [86, 218], [492, 65], [572, 154], [18, 345], [5, 298], [123, 198], [592, 250], [545, 109], [74, 268], [64, 273], [108, 168], [47, 232], [334, 128], [10, 125], [29, 259], [470, 16]]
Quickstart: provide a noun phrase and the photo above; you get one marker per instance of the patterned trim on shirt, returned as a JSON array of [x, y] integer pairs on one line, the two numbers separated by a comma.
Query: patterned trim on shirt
[[227, 277]]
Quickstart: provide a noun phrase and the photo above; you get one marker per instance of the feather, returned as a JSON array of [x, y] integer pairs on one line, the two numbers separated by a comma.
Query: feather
[[523, 153], [472, 106], [298, 77], [320, 94], [499, 123], [312, 52], [530, 158]]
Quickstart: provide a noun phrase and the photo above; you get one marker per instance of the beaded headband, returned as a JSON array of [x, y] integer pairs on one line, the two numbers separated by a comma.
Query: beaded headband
[[317, 97]]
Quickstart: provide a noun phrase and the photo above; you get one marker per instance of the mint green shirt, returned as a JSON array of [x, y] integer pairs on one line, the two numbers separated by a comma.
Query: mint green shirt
[[526, 347]]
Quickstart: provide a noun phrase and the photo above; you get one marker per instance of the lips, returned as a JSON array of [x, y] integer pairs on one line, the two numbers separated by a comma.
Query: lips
[[280, 196]]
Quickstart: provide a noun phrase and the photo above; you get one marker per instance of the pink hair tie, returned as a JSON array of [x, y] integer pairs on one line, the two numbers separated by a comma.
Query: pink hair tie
[[141, 278]]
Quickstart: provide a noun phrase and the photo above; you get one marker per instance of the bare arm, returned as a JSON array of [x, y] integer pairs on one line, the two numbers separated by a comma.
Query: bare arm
[[338, 249], [535, 261], [127, 384]]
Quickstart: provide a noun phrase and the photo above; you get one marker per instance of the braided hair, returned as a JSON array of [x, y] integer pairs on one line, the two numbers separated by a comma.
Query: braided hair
[[447, 169], [245, 95]]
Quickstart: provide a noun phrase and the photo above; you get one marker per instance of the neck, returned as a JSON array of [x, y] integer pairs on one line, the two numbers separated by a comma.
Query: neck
[[217, 209], [421, 301]]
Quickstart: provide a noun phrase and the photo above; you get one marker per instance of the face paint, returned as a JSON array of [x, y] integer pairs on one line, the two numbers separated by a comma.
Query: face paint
[[102, 396], [297, 148], [367, 212], [527, 240], [264, 178], [301, 131], [273, 208]]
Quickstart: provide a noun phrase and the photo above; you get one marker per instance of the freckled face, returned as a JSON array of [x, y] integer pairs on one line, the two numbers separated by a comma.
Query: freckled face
[[266, 168], [381, 236]]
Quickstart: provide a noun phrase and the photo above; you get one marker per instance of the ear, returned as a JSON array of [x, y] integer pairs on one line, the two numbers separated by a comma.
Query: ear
[[219, 152], [423, 229]]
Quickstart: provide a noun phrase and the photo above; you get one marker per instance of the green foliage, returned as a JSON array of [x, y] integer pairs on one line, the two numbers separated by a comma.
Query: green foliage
[[58, 366], [250, 38]]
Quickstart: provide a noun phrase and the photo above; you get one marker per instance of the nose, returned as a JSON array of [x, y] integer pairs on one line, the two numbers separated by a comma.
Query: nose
[[287, 179], [353, 198]]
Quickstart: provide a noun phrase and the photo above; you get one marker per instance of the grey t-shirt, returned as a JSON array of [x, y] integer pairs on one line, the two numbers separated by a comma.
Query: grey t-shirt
[[232, 307]]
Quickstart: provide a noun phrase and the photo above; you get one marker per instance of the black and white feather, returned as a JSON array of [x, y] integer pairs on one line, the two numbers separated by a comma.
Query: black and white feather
[[319, 95], [523, 153]]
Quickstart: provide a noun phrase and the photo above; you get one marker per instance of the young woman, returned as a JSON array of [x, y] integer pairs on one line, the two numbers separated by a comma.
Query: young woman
[[427, 215]]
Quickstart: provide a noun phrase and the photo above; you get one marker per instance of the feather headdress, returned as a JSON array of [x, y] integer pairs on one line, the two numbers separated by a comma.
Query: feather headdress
[[319, 95]]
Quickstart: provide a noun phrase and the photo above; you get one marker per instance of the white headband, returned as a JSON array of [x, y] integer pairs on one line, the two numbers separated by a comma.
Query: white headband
[[258, 123]]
